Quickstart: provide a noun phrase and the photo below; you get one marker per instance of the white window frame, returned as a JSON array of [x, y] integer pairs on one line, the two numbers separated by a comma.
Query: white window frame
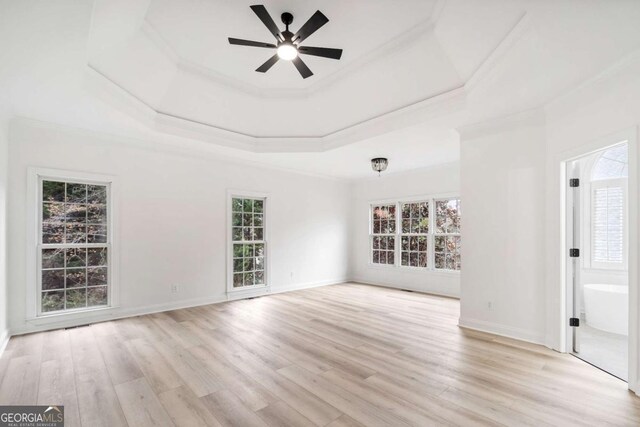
[[429, 235], [435, 234], [34, 246], [239, 194], [398, 232]]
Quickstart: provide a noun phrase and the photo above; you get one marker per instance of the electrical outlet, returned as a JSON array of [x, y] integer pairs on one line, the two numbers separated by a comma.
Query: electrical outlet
[[175, 289]]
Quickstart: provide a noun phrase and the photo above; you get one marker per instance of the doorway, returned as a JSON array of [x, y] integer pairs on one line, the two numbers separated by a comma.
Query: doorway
[[598, 258]]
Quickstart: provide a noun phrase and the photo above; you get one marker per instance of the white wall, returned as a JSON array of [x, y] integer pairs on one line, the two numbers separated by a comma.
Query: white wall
[[172, 218], [512, 282], [444, 179], [502, 185], [594, 115], [4, 153]]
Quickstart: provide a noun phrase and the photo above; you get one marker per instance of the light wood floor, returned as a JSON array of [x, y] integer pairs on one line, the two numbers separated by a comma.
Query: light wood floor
[[345, 355]]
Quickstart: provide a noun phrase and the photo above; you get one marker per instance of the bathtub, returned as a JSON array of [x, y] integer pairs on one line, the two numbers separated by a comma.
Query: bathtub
[[606, 307]]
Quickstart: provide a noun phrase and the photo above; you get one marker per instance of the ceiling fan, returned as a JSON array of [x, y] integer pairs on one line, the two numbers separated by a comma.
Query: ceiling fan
[[288, 44]]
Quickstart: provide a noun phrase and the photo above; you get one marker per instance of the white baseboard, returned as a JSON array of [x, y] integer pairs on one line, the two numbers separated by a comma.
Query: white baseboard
[[502, 330], [4, 340], [410, 288], [45, 324]]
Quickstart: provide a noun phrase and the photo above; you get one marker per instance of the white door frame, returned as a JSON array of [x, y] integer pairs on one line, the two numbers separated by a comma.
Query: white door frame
[[631, 136]]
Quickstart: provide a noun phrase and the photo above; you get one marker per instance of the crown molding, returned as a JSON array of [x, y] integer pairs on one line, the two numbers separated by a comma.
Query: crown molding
[[445, 103], [533, 117]]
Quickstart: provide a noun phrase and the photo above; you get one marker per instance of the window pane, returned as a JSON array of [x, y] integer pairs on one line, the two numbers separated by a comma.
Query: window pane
[[259, 277], [76, 257], [96, 234], [76, 193], [76, 277], [248, 251], [52, 301], [53, 233], [259, 233], [97, 296], [247, 233], [76, 298], [236, 205], [237, 234], [405, 258], [248, 279], [53, 191], [76, 233], [248, 205], [97, 194], [75, 213], [259, 249], [52, 279], [448, 216], [96, 276], [53, 212], [97, 214], [53, 258], [97, 257], [238, 280], [237, 251], [258, 206]]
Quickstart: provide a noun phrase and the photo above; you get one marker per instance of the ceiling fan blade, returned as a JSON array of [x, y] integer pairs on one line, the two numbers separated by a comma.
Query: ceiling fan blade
[[325, 52], [242, 42], [265, 67], [266, 19], [310, 27], [302, 67]]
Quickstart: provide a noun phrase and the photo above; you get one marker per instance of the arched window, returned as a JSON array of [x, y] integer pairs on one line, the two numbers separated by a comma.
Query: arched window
[[609, 208], [612, 164]]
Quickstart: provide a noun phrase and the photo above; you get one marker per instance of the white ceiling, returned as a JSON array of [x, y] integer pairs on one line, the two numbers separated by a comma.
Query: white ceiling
[[160, 70]]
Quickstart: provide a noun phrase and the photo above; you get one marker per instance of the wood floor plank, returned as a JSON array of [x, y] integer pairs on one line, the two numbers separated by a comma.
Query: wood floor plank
[[157, 370], [344, 355], [98, 403], [121, 365], [279, 414], [140, 405], [20, 382], [186, 409], [230, 410]]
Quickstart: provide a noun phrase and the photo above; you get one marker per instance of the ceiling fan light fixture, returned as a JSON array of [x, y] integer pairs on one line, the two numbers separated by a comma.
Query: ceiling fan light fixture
[[287, 51]]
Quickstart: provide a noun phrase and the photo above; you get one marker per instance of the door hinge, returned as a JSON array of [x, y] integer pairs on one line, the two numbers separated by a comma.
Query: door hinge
[[574, 252], [574, 322], [574, 182]]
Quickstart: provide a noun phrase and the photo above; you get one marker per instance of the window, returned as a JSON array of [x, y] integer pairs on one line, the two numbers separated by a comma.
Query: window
[[447, 234], [384, 234], [415, 234], [248, 242], [427, 234], [74, 245], [608, 208]]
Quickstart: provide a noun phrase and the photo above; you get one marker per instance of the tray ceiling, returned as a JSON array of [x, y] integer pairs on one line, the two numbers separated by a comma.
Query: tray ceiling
[[173, 57]]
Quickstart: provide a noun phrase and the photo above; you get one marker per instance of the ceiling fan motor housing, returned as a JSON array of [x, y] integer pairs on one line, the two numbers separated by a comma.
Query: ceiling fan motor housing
[[287, 18]]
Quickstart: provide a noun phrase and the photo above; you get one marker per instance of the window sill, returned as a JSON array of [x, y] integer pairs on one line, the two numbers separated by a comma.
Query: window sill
[[246, 289], [405, 268], [44, 319]]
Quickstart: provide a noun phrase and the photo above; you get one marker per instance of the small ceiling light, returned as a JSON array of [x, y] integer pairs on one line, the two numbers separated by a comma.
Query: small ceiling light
[[287, 51], [379, 164]]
